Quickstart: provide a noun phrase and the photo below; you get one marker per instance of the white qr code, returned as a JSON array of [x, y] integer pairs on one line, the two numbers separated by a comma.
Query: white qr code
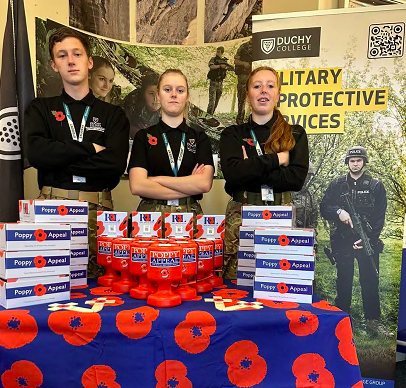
[[386, 40]]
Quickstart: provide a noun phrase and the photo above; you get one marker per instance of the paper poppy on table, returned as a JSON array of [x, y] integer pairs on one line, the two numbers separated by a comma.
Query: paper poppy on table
[[266, 215], [284, 264], [246, 367], [136, 323], [22, 374], [302, 323], [62, 210], [40, 235], [346, 345], [40, 262], [310, 371], [100, 376], [324, 305], [231, 293], [17, 328], [172, 374], [278, 304], [193, 334], [77, 328], [104, 291], [100, 228], [282, 288], [283, 240], [40, 290]]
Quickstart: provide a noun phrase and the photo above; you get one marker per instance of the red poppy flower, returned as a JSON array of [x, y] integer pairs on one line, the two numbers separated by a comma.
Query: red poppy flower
[[172, 373], [99, 376], [100, 228], [282, 288], [324, 305], [40, 262], [199, 231], [193, 334], [284, 264], [251, 142], [283, 240], [136, 323], [135, 229], [117, 301], [278, 305], [40, 235], [22, 374], [104, 291], [221, 286], [231, 293], [245, 367], [18, 328], [222, 226], [123, 224], [309, 370], [76, 328], [99, 212], [234, 281], [302, 323], [40, 290], [168, 229], [62, 210], [346, 344], [189, 225], [266, 215], [358, 385], [152, 140], [59, 116], [158, 223], [77, 295]]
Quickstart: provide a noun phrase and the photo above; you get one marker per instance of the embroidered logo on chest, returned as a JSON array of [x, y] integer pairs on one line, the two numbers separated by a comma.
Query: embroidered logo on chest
[[95, 125], [191, 145]]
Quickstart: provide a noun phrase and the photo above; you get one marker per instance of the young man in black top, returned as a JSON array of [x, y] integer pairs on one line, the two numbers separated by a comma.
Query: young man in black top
[[78, 144]]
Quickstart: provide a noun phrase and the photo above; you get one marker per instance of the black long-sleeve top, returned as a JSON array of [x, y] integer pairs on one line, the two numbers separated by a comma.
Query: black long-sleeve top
[[250, 174], [57, 157]]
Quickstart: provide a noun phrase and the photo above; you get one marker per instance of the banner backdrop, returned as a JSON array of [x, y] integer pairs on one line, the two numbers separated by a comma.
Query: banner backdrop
[[343, 77]]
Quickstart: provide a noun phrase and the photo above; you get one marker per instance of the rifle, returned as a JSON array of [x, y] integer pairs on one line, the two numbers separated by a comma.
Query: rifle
[[357, 226], [224, 61]]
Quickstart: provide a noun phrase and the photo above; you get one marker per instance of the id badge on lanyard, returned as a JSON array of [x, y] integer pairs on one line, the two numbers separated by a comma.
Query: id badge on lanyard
[[266, 191], [75, 178]]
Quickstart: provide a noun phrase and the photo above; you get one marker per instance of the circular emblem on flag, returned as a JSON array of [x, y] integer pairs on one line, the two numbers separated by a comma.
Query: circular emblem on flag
[[9, 134]]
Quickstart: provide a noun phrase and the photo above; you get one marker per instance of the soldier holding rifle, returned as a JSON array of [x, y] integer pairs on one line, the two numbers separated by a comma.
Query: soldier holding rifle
[[356, 203]]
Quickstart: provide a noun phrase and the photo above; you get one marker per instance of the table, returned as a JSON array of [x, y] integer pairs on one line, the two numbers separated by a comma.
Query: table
[[212, 343]]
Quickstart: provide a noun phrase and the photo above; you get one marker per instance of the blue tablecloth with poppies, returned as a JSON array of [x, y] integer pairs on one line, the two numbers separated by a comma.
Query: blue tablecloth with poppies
[[129, 344]]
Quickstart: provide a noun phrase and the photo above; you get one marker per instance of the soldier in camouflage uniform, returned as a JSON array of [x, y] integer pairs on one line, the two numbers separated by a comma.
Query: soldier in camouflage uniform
[[171, 164], [259, 166]]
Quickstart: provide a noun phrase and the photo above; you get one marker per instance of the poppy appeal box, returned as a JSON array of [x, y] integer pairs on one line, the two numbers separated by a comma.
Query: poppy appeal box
[[247, 236], [146, 224], [79, 254], [31, 237], [36, 290], [283, 289], [268, 216], [112, 224], [53, 210], [210, 226], [178, 225], [279, 240], [78, 275], [78, 234], [34, 263], [287, 266], [245, 276], [246, 257]]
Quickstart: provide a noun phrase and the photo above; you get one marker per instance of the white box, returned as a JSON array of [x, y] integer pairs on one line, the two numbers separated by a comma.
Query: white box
[[210, 226], [79, 255], [79, 234], [285, 266], [283, 289], [146, 224], [34, 263], [31, 237], [268, 216], [112, 224], [36, 290], [246, 257], [285, 241], [53, 210], [245, 276], [179, 225], [78, 275], [247, 236]]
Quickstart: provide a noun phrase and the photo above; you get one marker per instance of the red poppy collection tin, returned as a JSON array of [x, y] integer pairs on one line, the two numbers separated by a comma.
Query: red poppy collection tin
[[164, 267], [218, 262], [189, 269], [205, 265], [104, 258], [120, 262]]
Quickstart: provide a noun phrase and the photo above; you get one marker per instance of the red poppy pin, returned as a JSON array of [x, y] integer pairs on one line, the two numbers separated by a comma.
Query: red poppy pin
[[250, 142], [59, 116], [152, 140]]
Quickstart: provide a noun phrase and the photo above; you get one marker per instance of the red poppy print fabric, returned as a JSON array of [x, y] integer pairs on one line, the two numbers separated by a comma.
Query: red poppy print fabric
[[193, 334], [231, 293], [100, 376], [324, 305], [77, 328], [246, 367], [310, 371], [136, 323], [278, 305], [22, 374], [17, 328], [358, 385], [346, 344], [103, 291], [302, 323], [172, 374]]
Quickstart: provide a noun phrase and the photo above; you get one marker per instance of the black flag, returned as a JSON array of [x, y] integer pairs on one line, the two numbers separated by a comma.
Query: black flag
[[16, 92]]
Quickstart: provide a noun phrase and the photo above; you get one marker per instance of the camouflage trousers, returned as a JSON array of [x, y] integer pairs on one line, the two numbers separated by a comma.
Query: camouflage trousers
[[94, 270], [215, 92], [241, 97]]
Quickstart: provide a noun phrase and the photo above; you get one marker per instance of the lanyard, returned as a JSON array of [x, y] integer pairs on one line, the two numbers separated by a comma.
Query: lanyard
[[72, 126], [257, 146], [176, 168]]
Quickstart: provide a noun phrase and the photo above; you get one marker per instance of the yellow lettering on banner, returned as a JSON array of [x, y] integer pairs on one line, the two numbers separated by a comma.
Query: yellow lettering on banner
[[314, 99]]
